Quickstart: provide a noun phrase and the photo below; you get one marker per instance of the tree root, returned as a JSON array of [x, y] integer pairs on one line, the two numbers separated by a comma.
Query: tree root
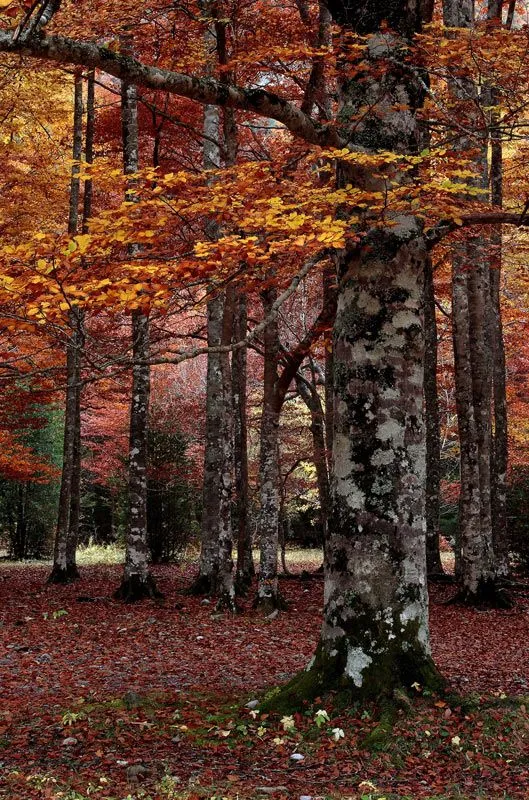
[[489, 594], [203, 585], [135, 588], [270, 603], [63, 575], [394, 684], [226, 602], [440, 577], [243, 582]]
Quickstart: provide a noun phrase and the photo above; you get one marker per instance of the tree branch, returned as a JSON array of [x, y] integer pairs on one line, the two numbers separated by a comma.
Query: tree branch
[[444, 227], [204, 90], [186, 355]]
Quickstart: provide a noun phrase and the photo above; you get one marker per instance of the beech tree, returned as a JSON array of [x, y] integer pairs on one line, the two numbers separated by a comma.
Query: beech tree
[[64, 567], [137, 582], [476, 330], [375, 631]]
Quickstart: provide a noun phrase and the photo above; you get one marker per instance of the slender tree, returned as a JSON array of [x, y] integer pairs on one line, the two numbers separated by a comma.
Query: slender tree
[[216, 565], [472, 335], [433, 435], [245, 570], [137, 581], [64, 568]]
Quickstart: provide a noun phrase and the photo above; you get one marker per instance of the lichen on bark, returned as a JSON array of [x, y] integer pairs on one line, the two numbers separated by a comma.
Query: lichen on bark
[[374, 637]]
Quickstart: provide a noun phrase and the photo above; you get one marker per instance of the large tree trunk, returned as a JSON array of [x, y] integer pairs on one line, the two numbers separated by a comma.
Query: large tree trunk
[[433, 438], [245, 566], [64, 570], [137, 582], [375, 631]]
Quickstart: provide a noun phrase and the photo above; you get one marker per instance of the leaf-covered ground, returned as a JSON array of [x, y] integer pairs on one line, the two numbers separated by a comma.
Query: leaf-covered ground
[[149, 701]]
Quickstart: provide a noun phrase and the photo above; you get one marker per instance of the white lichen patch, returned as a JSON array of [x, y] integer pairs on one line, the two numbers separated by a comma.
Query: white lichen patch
[[407, 279], [389, 394], [415, 612], [357, 662], [391, 431], [368, 303], [342, 458], [382, 457], [403, 320]]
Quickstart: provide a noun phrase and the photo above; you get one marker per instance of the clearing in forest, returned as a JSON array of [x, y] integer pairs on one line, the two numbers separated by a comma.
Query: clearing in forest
[[105, 700]]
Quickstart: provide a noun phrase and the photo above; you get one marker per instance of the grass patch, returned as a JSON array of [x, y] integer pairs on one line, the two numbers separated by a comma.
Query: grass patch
[[95, 554]]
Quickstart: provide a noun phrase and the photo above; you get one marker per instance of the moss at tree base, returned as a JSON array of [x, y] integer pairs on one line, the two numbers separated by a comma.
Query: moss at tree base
[[386, 681], [136, 587]]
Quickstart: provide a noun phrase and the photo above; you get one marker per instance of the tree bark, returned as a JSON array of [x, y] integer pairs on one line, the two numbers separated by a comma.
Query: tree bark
[[20, 539], [433, 436], [245, 565], [64, 569], [329, 298], [137, 581], [472, 324], [75, 489], [500, 450], [374, 637], [216, 566], [309, 394], [268, 597]]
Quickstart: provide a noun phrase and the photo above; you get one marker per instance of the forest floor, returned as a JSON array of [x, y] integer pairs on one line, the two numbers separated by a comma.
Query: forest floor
[[102, 700]]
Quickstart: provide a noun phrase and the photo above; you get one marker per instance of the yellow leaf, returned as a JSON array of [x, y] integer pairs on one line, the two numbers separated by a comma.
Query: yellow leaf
[[83, 242]]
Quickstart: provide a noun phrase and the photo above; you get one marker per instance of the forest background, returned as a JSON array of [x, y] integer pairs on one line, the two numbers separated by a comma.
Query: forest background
[[246, 248]]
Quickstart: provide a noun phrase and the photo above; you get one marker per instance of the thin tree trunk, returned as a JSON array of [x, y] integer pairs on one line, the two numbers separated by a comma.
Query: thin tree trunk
[[216, 566], [473, 376], [309, 394], [75, 493], [433, 436], [245, 566], [137, 581], [63, 571], [499, 463], [268, 597], [20, 548], [225, 589], [329, 297], [477, 573], [78, 337]]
